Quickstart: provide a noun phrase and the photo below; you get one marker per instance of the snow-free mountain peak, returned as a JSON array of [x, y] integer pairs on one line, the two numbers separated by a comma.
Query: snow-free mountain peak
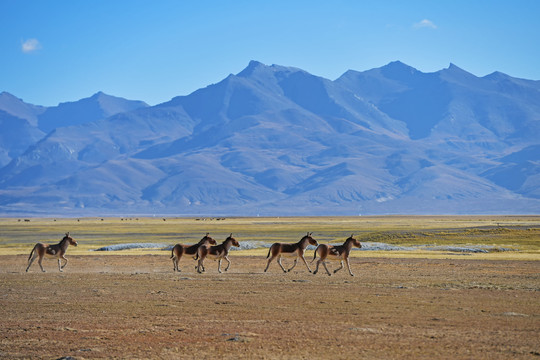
[[98, 106], [399, 71], [255, 67], [277, 140], [14, 106], [455, 74]]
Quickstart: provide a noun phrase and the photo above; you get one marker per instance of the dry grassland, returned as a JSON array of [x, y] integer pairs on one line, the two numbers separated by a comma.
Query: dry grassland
[[411, 305]]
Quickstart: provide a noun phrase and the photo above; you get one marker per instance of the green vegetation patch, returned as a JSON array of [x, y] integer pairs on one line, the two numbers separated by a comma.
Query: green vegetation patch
[[521, 233]]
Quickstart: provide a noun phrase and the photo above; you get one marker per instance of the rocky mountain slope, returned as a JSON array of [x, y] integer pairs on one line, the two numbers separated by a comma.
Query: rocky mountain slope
[[275, 140]]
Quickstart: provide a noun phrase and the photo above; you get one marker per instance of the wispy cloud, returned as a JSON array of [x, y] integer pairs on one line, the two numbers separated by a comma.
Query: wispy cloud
[[425, 24], [30, 45]]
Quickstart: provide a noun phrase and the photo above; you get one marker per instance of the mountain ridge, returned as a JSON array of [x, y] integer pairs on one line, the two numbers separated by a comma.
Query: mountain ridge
[[279, 140]]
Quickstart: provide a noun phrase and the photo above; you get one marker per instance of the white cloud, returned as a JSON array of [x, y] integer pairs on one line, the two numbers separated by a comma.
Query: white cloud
[[30, 46], [425, 24]]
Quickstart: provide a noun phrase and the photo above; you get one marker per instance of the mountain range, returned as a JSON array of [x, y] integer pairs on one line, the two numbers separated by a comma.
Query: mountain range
[[277, 140]]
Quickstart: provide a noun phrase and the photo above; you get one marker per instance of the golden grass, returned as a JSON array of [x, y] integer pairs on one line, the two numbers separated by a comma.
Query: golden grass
[[521, 233]]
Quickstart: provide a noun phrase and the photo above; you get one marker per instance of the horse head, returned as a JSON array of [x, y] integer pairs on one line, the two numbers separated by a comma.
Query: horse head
[[354, 242], [310, 239], [208, 239], [70, 239], [232, 240]]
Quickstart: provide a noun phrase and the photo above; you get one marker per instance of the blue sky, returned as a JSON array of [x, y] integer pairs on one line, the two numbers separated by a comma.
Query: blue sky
[[58, 51]]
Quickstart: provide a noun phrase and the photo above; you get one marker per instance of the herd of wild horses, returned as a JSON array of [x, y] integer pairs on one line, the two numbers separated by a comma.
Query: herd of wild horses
[[207, 247]]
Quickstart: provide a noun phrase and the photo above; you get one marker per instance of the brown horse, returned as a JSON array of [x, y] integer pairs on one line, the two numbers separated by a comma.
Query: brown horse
[[217, 252], [335, 252], [297, 250], [55, 251], [178, 250]]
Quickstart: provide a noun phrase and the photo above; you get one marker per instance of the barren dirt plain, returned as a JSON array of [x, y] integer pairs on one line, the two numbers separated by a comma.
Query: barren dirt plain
[[400, 304]]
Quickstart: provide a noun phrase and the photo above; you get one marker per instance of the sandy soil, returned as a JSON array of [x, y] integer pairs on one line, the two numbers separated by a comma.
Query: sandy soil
[[118, 306]]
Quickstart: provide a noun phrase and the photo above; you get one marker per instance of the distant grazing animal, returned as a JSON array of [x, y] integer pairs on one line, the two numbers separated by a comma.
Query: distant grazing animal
[[217, 252], [178, 250], [335, 252], [55, 251], [297, 250]]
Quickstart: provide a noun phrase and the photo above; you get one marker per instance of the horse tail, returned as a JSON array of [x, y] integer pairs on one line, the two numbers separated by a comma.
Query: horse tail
[[32, 252], [172, 253], [315, 253], [269, 250]]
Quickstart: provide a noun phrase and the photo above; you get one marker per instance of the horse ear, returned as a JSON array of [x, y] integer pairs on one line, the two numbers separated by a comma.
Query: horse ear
[[352, 234], [207, 234], [67, 234], [230, 235]]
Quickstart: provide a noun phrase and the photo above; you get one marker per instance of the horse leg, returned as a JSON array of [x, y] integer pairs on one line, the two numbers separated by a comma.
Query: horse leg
[[328, 272], [229, 263], [177, 260], [199, 265], [349, 266], [279, 262], [294, 264], [268, 263], [65, 262], [39, 262], [339, 268], [305, 262], [317, 266], [31, 261], [219, 266]]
